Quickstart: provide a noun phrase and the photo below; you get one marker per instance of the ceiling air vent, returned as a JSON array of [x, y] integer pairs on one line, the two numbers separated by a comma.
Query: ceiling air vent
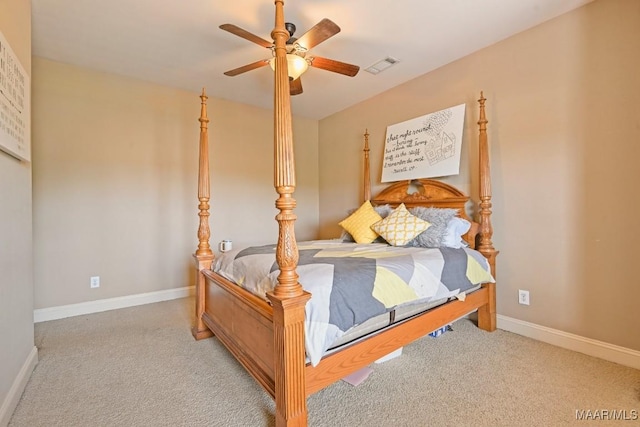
[[382, 65]]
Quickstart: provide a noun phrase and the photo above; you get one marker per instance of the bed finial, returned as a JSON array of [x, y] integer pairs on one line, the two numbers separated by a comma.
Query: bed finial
[[204, 249], [367, 168]]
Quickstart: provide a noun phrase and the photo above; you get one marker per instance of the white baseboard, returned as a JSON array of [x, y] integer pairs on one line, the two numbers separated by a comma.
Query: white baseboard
[[60, 312], [15, 392], [613, 353]]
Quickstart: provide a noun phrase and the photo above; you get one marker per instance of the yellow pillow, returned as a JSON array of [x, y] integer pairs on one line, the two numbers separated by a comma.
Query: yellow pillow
[[359, 223], [400, 226]]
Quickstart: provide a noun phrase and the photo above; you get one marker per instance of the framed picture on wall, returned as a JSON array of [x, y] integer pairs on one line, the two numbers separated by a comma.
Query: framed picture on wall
[[15, 104], [424, 147]]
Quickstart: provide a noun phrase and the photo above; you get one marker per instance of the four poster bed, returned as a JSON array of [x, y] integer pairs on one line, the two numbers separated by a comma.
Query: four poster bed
[[268, 333]]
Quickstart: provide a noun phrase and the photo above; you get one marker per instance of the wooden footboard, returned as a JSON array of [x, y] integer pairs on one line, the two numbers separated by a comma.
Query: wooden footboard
[[244, 324]]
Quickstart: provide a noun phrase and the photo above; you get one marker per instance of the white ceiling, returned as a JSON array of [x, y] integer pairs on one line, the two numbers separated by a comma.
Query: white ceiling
[[178, 43]]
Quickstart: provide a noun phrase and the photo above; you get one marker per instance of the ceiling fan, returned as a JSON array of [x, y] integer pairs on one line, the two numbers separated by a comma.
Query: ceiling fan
[[298, 57]]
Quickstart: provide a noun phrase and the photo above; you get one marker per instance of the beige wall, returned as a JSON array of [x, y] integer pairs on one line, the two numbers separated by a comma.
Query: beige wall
[[16, 268], [115, 182], [115, 171], [563, 127]]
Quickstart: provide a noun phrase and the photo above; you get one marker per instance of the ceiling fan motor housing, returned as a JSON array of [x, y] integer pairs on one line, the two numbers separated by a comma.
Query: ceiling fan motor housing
[[291, 28]]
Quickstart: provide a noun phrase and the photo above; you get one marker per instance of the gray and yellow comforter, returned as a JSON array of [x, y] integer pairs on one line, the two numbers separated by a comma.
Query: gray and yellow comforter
[[351, 283]]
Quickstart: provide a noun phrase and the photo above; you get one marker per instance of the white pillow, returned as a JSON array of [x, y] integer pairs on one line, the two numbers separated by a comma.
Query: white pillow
[[456, 228]]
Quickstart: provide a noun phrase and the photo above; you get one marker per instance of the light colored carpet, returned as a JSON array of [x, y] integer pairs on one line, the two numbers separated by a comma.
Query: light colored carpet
[[140, 366]]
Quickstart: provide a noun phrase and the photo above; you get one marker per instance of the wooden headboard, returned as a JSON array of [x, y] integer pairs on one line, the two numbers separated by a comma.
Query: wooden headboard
[[432, 194], [428, 193], [437, 194]]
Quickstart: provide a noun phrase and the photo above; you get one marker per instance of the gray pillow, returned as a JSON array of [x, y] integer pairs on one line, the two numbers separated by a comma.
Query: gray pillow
[[383, 211], [433, 236]]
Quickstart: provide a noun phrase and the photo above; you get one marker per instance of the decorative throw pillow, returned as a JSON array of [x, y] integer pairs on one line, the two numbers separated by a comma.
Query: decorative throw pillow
[[438, 218], [383, 211], [456, 228], [359, 223], [400, 226]]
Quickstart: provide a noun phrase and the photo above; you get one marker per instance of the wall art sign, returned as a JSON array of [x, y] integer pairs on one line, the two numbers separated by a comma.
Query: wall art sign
[[15, 104], [424, 147]]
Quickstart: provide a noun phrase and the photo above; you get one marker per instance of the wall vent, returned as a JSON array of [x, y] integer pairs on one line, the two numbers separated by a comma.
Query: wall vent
[[382, 65]]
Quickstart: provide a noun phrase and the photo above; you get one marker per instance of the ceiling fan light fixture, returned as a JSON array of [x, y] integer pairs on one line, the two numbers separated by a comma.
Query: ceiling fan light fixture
[[296, 65]]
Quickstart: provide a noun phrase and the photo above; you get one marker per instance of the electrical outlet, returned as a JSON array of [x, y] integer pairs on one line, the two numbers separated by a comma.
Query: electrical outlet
[[523, 297], [95, 281]]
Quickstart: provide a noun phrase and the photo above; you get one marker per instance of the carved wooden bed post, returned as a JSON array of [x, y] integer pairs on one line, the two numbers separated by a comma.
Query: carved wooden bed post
[[288, 297], [204, 256], [367, 167], [486, 313]]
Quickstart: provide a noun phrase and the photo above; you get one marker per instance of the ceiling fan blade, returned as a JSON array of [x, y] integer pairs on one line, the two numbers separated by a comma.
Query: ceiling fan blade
[[247, 67], [295, 87], [319, 33], [233, 29], [335, 66]]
